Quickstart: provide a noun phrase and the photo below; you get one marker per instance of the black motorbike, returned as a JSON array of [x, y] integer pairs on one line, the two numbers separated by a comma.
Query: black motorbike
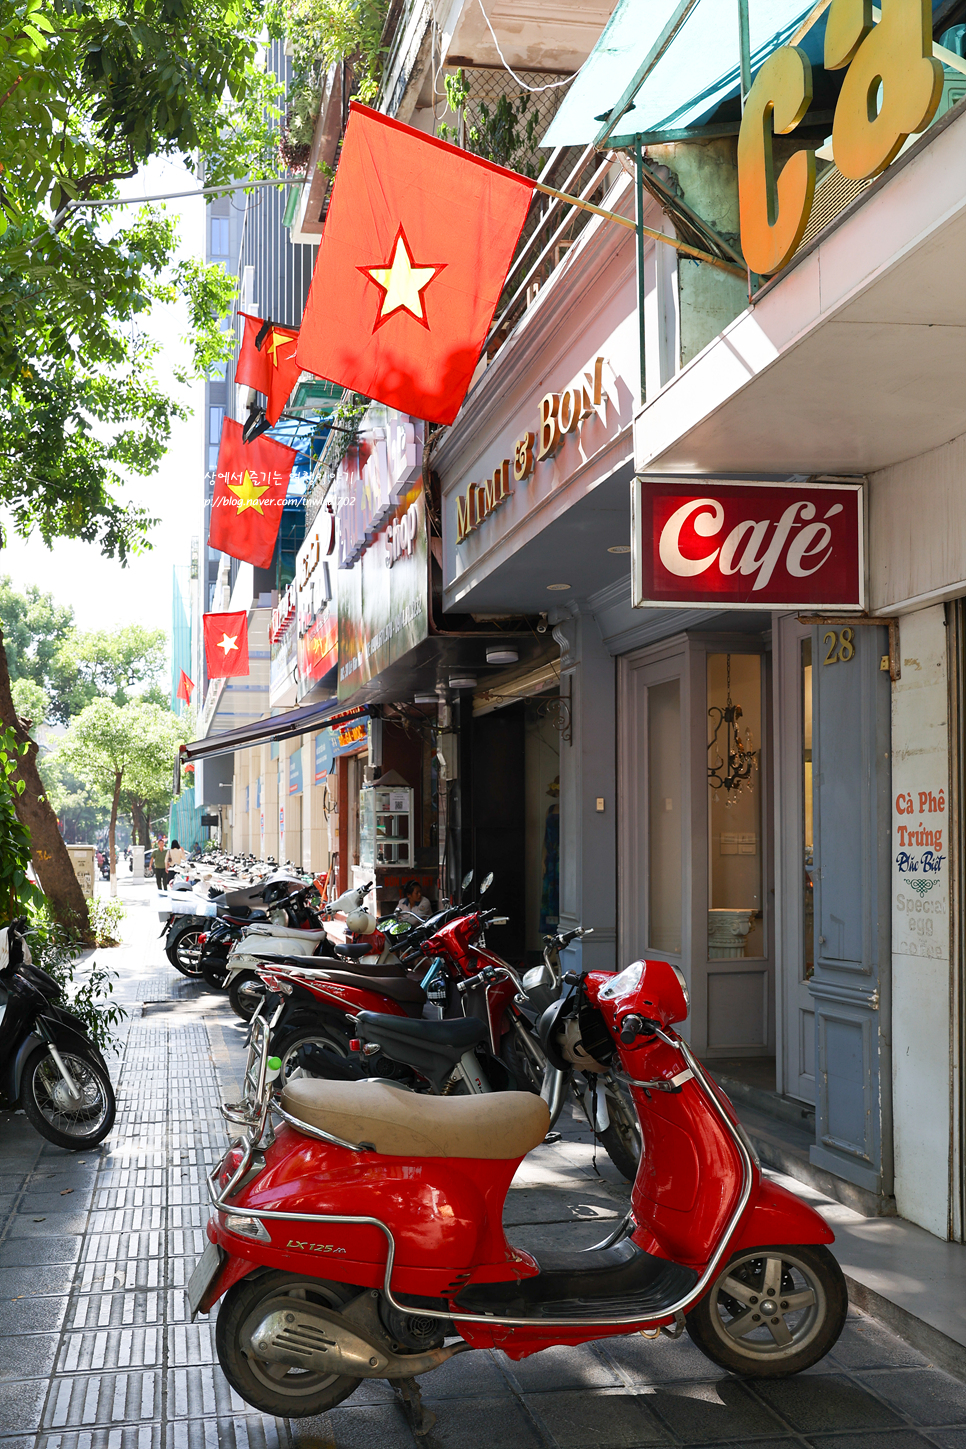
[[50, 1067], [216, 942], [262, 901]]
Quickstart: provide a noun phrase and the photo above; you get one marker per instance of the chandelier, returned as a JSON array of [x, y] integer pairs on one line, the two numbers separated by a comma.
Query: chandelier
[[732, 770]]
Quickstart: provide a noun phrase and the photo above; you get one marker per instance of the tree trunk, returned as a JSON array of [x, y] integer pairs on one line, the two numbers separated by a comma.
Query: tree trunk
[[49, 856], [111, 850]]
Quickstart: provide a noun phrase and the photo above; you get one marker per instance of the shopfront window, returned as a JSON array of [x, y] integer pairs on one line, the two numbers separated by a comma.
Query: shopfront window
[[735, 926], [664, 815], [808, 897]]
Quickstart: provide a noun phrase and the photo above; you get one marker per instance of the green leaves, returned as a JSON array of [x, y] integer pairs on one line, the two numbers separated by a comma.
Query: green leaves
[[16, 890]]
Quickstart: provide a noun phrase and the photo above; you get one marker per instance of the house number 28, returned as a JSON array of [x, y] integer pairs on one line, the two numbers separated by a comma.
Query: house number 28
[[839, 647]]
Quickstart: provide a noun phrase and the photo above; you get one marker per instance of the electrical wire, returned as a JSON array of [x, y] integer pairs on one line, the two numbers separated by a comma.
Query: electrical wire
[[551, 86]]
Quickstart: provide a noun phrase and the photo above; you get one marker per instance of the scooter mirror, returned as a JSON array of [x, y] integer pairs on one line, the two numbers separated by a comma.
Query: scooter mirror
[[486, 883], [467, 879]]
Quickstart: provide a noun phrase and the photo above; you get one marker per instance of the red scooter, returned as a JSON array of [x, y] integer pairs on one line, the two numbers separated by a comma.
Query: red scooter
[[357, 1228]]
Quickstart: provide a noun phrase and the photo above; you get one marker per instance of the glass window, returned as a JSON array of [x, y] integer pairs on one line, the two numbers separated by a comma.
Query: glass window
[[808, 896], [664, 816], [220, 236], [216, 416], [734, 807]]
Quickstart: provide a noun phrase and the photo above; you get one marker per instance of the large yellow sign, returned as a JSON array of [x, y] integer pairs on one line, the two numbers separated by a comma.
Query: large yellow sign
[[891, 90]]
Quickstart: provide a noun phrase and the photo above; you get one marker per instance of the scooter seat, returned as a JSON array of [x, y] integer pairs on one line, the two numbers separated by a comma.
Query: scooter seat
[[463, 1032], [289, 932], [355, 950], [497, 1125]]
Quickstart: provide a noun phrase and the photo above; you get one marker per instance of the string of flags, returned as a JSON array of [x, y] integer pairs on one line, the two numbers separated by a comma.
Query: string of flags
[[418, 241]]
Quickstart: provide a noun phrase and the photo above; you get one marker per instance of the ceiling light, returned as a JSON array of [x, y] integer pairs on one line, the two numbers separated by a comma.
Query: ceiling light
[[619, 548], [462, 681], [501, 655], [557, 588]]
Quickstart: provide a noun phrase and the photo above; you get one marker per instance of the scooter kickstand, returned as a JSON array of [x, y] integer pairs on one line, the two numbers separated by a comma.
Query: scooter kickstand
[[421, 1419]]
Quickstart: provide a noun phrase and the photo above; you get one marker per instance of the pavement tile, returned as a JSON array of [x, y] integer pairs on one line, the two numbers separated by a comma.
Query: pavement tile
[[238, 1432], [700, 1413], [468, 1375], [659, 1360], [21, 1404], [201, 1391], [564, 1367], [369, 1427], [864, 1343], [35, 1224], [949, 1438], [927, 1396], [31, 1204], [101, 1310], [878, 1439], [95, 1400], [597, 1419], [825, 1404], [130, 1436], [28, 1356], [478, 1424], [109, 1348], [39, 1252], [30, 1315], [191, 1343]]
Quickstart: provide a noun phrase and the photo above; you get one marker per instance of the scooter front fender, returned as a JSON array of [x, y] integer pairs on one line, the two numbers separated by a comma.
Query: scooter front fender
[[778, 1218]]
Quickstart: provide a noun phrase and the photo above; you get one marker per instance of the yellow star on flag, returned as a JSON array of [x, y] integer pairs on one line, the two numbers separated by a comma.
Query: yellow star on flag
[[275, 341], [402, 283], [227, 642], [248, 492]]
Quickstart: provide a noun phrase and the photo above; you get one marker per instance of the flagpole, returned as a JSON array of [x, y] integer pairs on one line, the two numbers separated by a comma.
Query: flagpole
[[671, 241], [205, 191]]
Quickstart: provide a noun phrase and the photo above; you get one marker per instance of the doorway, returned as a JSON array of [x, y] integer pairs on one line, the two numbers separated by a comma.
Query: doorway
[[695, 835]]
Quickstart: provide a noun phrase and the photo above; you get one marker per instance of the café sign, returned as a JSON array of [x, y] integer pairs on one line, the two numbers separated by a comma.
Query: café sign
[[891, 89], [704, 543]]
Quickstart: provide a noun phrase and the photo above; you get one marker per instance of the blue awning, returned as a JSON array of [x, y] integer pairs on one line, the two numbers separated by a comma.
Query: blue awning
[[699, 70]]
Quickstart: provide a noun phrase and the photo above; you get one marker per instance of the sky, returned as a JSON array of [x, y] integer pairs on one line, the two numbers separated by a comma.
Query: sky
[[103, 594]]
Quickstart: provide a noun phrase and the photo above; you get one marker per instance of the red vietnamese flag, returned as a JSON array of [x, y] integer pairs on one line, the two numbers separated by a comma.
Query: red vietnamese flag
[[272, 368], [418, 240], [185, 687], [249, 494], [226, 644]]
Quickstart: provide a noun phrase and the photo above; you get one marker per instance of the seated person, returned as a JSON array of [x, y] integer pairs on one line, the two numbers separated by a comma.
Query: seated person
[[414, 903]]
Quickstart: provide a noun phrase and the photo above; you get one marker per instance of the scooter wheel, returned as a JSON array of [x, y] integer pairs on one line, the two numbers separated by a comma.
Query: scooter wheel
[[246, 994], [45, 1097], [622, 1138], [277, 1388], [772, 1311], [214, 971], [183, 949]]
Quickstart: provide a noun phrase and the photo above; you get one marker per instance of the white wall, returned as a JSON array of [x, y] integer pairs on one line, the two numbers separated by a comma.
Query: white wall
[[917, 529], [920, 924]]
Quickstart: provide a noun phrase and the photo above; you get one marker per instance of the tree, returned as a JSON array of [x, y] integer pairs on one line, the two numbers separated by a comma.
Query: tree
[[118, 664], [33, 629], [82, 812], [122, 749], [30, 701], [16, 889], [89, 91]]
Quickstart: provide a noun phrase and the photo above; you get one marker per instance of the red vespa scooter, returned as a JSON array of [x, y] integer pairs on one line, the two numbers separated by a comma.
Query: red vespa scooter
[[364, 1237]]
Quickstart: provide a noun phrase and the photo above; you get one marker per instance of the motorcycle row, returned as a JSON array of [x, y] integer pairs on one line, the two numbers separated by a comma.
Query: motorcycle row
[[357, 1215]]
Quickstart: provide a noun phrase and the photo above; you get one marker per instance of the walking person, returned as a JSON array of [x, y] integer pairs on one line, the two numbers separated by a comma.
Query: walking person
[[172, 860], [159, 858]]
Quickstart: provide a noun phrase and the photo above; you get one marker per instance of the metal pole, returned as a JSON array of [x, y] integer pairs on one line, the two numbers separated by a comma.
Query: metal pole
[[639, 189], [744, 49]]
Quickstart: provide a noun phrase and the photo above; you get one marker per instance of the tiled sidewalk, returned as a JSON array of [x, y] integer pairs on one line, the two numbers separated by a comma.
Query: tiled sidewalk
[[96, 1351]]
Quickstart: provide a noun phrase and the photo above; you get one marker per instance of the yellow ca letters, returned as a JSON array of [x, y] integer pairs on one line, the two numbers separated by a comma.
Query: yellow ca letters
[[774, 214], [896, 54]]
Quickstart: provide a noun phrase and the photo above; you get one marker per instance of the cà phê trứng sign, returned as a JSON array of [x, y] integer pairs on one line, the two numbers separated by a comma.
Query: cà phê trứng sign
[[891, 90], [560, 414]]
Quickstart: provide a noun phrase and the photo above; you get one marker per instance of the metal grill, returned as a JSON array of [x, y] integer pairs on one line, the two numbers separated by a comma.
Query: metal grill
[[488, 87]]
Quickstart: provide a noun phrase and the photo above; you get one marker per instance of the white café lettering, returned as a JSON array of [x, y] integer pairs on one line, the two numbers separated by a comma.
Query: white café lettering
[[741, 550]]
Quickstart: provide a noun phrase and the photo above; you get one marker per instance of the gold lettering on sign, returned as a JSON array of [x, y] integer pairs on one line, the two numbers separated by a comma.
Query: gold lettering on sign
[[893, 84], [891, 90], [774, 213], [560, 414]]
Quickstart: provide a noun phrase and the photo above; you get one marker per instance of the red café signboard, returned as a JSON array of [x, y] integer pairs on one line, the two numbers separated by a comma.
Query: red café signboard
[[704, 543]]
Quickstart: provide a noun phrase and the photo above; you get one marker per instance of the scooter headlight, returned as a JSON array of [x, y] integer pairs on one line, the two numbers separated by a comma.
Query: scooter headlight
[[683, 985]]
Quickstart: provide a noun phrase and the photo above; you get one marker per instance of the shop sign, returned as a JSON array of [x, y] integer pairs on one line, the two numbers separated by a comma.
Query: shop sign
[[384, 597], [323, 756], [282, 669], [373, 477], [349, 737], [560, 414], [281, 822], [891, 90], [317, 621], [295, 772], [708, 544]]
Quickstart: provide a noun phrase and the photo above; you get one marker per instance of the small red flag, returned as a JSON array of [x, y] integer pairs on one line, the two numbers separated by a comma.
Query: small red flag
[[226, 644], [249, 494], [270, 368], [418, 241], [185, 686]]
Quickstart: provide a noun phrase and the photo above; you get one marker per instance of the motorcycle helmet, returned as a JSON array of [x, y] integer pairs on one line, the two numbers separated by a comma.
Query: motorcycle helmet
[[360, 923], [575, 1038]]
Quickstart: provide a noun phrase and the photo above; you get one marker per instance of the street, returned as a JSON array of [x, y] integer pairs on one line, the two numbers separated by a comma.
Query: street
[[95, 1250]]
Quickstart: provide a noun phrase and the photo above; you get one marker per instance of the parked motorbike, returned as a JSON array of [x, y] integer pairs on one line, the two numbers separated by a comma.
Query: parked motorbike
[[189, 909], [292, 919], [51, 1068], [357, 1228]]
